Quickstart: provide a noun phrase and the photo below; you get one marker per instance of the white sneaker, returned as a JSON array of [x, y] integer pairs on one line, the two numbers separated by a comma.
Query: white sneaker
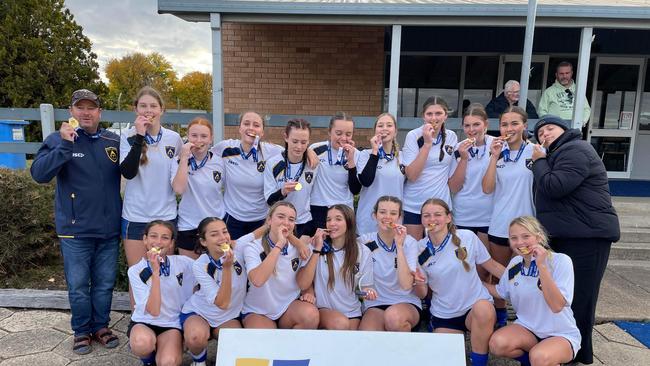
[[202, 363]]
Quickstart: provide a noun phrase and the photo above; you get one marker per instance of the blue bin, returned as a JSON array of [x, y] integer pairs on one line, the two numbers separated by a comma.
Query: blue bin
[[12, 131]]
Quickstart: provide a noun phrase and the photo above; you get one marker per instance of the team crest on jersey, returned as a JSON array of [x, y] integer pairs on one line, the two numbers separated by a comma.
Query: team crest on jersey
[[170, 151], [111, 152], [261, 165], [356, 268], [309, 176], [449, 149], [216, 175], [179, 278], [529, 164], [238, 268], [294, 264]]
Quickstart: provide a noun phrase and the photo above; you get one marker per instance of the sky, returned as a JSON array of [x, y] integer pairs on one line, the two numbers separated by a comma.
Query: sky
[[119, 27]]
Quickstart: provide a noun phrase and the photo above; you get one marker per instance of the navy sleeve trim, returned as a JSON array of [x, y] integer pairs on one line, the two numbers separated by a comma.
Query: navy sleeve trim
[[130, 164]]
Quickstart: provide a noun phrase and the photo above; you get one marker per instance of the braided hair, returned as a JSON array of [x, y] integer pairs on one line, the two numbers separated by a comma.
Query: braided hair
[[147, 90], [461, 252]]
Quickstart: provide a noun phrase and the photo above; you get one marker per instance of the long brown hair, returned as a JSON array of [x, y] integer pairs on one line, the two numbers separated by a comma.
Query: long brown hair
[[461, 251], [147, 90], [436, 100], [259, 147], [524, 118], [350, 246]]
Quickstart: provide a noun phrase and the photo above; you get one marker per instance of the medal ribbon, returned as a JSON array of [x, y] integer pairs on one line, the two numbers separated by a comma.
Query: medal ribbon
[[473, 151], [433, 250], [340, 158], [164, 267], [382, 154], [150, 140], [532, 270], [217, 263], [195, 166], [392, 248], [506, 153], [246, 156], [287, 171], [283, 251]]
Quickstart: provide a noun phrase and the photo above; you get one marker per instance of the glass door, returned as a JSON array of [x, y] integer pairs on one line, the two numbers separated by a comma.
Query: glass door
[[614, 112], [510, 69]]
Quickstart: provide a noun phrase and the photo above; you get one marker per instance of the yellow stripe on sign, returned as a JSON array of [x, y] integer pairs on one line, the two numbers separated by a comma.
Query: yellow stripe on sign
[[66, 236], [251, 362]]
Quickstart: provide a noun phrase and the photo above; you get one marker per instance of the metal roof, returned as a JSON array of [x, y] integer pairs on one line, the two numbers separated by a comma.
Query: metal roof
[[563, 13]]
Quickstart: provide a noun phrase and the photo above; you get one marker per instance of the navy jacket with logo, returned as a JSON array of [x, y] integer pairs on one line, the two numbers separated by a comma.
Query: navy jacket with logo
[[87, 202]]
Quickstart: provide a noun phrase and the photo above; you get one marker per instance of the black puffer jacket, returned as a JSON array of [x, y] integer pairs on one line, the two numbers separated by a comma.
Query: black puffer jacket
[[572, 193]]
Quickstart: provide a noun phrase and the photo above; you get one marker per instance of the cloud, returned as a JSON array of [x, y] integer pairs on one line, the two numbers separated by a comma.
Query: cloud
[[119, 27]]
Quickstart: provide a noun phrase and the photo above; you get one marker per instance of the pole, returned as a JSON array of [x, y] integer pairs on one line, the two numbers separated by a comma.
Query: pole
[[217, 78], [393, 86], [528, 53]]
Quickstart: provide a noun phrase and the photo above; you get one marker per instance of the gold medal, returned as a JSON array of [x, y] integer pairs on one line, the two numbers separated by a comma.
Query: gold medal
[[155, 250], [298, 187], [225, 247], [73, 122], [524, 250]]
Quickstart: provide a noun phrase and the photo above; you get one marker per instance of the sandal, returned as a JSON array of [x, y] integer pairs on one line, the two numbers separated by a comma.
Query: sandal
[[106, 337], [81, 345]]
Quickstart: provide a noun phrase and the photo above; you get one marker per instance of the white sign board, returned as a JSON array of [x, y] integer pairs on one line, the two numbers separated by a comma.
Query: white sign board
[[17, 134], [626, 120], [284, 347]]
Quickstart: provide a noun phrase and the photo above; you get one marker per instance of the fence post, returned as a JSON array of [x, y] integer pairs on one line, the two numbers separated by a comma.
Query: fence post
[[47, 120]]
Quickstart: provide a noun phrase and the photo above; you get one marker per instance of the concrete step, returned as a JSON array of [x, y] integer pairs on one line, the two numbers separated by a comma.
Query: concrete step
[[630, 251], [635, 221], [632, 205], [635, 235]]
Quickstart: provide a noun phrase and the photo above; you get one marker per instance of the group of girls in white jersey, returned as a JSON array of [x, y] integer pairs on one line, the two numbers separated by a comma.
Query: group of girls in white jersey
[[303, 258]]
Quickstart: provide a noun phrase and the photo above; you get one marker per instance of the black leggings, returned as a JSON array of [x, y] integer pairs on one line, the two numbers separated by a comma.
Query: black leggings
[[589, 258]]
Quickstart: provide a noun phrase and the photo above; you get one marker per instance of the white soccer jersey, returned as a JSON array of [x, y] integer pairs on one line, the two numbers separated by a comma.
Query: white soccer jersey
[[209, 274], [175, 289], [389, 181], [525, 294], [342, 297], [472, 207], [454, 290], [435, 175], [384, 269], [149, 195], [276, 174], [274, 297], [203, 196], [244, 181], [513, 193], [331, 186]]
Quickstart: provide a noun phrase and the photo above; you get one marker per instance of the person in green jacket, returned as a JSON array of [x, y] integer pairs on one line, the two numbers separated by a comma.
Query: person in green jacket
[[558, 99]]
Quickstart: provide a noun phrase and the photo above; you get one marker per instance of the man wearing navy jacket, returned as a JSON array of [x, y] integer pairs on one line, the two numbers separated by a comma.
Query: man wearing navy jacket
[[84, 159]]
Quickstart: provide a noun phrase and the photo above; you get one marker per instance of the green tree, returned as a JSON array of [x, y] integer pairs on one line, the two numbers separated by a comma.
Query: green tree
[[44, 56], [194, 91], [131, 72]]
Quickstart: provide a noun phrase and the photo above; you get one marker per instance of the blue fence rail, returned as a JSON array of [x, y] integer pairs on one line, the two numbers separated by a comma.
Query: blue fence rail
[[47, 115]]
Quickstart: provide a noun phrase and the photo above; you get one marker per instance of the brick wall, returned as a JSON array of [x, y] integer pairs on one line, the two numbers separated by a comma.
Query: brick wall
[[303, 69]]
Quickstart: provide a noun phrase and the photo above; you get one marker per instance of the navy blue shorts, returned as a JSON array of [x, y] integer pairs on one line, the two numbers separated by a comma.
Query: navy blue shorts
[[308, 228], [135, 230], [237, 228], [318, 216], [156, 329], [475, 229], [132, 230], [502, 242], [187, 239], [411, 218], [457, 323]]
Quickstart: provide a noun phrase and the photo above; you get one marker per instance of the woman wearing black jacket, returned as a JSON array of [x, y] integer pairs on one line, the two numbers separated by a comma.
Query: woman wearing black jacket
[[574, 204]]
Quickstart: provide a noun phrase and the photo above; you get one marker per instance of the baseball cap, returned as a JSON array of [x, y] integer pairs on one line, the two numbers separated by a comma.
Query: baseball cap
[[84, 94]]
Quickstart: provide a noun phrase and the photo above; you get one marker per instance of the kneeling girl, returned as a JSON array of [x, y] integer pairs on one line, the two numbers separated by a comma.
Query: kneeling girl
[[273, 299], [161, 284], [340, 270], [539, 284]]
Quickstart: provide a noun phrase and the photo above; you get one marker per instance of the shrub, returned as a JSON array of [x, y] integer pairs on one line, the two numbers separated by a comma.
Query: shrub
[[26, 221]]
